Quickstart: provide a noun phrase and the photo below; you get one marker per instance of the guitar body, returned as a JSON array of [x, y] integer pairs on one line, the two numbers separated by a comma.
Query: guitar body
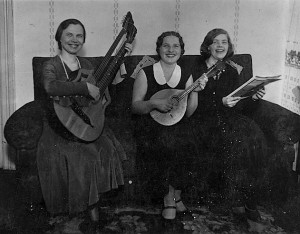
[[84, 117], [176, 114], [94, 110]]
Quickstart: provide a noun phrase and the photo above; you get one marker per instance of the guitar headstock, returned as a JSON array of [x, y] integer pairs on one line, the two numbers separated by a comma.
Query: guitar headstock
[[216, 69], [128, 25], [127, 20]]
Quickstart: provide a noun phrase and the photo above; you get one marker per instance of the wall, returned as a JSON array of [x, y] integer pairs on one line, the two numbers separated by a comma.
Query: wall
[[290, 97], [256, 26]]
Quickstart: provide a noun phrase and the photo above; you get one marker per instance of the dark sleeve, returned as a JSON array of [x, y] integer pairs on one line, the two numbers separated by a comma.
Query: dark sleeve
[[56, 84], [228, 82], [248, 105]]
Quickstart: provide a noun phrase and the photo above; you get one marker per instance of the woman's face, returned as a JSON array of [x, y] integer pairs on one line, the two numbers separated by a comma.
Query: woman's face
[[72, 38], [170, 50], [219, 47]]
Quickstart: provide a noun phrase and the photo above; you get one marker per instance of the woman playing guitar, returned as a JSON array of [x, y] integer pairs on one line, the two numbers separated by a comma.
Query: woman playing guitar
[[73, 174]]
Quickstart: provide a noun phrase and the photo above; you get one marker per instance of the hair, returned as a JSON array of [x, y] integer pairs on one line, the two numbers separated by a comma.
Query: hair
[[63, 25], [208, 40], [160, 40]]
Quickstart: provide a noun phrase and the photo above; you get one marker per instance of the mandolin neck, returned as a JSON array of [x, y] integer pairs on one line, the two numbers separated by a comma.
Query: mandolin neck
[[191, 88]]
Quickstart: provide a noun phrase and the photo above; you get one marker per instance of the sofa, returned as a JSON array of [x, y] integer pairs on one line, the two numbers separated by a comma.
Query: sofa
[[280, 126]]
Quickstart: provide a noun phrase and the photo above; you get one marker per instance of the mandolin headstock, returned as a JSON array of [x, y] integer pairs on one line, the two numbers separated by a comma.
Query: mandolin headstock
[[216, 69]]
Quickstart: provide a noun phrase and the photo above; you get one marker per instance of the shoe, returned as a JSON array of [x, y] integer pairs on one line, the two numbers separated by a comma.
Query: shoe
[[92, 227], [169, 210], [238, 210], [183, 212], [252, 214], [180, 207]]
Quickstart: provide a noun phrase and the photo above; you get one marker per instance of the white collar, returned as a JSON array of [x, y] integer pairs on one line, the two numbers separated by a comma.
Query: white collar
[[160, 78]]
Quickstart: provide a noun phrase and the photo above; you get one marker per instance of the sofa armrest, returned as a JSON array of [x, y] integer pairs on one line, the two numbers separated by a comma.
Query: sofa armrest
[[279, 124], [24, 127]]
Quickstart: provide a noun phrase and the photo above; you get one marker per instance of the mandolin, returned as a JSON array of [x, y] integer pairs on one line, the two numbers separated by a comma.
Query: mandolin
[[179, 98], [81, 116]]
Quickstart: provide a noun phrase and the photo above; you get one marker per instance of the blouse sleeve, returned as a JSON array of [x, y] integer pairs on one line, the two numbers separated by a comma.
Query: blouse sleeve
[[56, 84]]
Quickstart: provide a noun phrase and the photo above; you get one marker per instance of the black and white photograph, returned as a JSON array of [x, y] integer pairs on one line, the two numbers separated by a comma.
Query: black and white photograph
[[127, 116]]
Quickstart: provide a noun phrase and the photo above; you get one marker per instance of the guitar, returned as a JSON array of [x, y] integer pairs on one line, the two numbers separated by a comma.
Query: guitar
[[179, 98], [81, 116]]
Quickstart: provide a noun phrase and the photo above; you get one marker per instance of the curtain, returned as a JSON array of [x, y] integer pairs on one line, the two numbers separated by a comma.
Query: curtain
[[290, 98], [7, 79]]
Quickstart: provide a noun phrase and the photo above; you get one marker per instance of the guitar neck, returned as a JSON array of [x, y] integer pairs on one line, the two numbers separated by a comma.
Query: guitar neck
[[100, 69], [108, 77]]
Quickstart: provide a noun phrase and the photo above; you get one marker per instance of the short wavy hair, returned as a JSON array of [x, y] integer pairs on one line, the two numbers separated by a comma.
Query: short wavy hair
[[63, 25], [160, 40], [208, 40]]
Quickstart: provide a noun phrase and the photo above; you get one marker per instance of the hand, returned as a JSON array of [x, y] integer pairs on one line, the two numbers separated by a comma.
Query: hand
[[230, 101], [163, 105], [259, 94], [129, 48], [93, 91], [202, 84]]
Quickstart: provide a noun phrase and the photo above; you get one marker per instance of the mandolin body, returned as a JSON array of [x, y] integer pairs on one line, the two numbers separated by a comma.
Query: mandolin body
[[176, 114]]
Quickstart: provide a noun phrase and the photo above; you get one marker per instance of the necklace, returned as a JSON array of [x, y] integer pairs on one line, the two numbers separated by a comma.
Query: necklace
[[65, 66]]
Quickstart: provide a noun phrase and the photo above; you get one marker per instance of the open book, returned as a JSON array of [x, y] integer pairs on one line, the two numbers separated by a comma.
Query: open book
[[252, 86]]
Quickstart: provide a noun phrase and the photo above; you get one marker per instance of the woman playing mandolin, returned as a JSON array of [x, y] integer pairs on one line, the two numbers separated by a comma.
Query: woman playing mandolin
[[161, 156], [74, 174]]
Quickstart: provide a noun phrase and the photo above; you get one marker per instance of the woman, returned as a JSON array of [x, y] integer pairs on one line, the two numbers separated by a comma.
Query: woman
[[235, 140], [160, 157], [74, 174]]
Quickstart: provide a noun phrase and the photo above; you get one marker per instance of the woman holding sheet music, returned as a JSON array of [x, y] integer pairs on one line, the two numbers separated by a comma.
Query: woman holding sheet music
[[235, 140]]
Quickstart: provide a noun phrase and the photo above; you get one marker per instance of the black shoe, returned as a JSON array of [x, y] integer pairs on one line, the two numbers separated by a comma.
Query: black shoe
[[92, 227], [186, 215], [252, 214]]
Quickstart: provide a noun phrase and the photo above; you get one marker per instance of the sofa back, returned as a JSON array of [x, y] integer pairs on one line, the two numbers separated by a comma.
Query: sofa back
[[135, 62]]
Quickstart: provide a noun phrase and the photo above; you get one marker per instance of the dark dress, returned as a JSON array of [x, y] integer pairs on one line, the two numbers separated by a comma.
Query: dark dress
[[233, 144], [161, 150], [73, 174]]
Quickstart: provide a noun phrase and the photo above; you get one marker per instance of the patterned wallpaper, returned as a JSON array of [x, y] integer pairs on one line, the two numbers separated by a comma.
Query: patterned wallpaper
[[192, 18], [236, 24], [290, 98], [52, 30], [117, 5]]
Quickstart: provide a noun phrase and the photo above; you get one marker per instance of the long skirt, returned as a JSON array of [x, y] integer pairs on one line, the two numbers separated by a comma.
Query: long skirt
[[238, 154], [74, 174]]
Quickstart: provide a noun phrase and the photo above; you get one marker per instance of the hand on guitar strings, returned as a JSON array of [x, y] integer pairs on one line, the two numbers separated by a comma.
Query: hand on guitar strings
[[93, 91], [230, 101]]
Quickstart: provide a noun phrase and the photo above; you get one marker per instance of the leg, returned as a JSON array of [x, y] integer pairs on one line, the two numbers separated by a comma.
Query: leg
[[94, 214], [169, 210], [180, 207], [94, 223]]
